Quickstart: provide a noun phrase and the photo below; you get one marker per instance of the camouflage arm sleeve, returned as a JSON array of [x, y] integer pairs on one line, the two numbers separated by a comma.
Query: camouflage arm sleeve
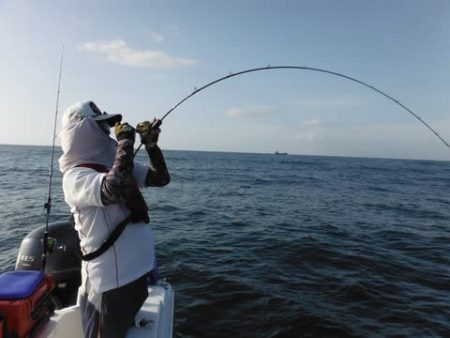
[[120, 177], [158, 175]]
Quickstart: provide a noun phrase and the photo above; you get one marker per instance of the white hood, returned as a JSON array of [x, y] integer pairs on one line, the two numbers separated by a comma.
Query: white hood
[[83, 141]]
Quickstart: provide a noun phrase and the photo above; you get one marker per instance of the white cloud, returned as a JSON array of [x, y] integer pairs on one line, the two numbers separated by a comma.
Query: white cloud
[[311, 130], [158, 37], [318, 123], [312, 123], [117, 51], [393, 140], [314, 129], [174, 28], [252, 111], [341, 102], [308, 135]]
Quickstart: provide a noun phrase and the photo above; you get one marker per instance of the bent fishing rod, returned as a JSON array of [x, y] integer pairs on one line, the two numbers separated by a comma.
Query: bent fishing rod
[[48, 205], [269, 67]]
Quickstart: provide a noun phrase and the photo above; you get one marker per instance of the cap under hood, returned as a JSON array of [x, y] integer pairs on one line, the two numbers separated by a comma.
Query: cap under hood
[[83, 140]]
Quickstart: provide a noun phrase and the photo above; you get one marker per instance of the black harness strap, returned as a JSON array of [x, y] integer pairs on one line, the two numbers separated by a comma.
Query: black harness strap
[[97, 167], [108, 242]]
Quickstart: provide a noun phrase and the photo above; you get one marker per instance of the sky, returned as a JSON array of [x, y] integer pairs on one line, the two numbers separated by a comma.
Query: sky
[[139, 58]]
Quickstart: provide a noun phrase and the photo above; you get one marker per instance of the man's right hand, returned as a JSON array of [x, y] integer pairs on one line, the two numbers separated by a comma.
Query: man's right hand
[[124, 131]]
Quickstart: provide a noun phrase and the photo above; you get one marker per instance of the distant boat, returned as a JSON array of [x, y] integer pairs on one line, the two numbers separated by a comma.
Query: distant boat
[[278, 153]]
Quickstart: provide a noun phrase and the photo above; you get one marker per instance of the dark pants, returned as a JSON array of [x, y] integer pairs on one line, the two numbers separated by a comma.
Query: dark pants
[[118, 309]]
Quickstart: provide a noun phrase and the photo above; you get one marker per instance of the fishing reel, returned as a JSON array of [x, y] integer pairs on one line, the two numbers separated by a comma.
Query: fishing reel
[[149, 133], [145, 128]]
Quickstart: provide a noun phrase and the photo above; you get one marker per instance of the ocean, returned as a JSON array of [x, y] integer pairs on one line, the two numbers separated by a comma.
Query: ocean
[[263, 245]]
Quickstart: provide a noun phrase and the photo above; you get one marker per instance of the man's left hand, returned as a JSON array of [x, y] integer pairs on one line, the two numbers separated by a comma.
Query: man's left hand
[[149, 134]]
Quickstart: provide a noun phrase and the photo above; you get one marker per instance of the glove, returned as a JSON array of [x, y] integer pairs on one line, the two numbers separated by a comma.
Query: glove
[[124, 131], [149, 134]]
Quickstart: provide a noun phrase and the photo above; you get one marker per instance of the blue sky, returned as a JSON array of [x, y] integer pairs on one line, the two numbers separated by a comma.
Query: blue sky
[[139, 58]]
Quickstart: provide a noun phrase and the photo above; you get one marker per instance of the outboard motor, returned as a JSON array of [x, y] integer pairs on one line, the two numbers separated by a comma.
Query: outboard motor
[[63, 261]]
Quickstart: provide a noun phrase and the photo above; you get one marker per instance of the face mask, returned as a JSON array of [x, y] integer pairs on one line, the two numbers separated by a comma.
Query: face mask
[[105, 127]]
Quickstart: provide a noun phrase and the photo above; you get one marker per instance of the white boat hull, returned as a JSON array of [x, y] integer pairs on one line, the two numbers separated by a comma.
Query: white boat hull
[[154, 320]]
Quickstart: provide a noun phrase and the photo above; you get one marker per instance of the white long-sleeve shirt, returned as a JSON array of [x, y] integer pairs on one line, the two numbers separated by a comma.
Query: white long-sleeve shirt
[[132, 255]]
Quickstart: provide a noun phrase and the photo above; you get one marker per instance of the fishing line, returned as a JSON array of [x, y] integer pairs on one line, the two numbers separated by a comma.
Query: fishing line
[[48, 205], [269, 67]]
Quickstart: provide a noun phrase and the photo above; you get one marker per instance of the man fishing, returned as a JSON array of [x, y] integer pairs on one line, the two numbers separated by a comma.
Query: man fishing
[[101, 185]]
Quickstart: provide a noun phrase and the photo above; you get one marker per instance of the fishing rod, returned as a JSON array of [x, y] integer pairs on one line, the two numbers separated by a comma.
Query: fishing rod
[[269, 67], [48, 205]]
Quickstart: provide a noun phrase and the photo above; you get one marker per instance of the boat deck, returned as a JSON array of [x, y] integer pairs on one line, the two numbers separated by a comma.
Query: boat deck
[[154, 320]]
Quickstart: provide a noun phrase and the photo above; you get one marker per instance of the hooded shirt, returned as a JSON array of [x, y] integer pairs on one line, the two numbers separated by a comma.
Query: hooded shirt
[[132, 255]]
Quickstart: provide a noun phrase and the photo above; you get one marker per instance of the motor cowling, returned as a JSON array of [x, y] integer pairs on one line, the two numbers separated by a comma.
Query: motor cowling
[[63, 261]]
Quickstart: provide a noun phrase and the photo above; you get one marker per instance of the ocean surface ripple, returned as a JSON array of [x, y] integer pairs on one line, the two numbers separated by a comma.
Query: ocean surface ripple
[[261, 245]]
